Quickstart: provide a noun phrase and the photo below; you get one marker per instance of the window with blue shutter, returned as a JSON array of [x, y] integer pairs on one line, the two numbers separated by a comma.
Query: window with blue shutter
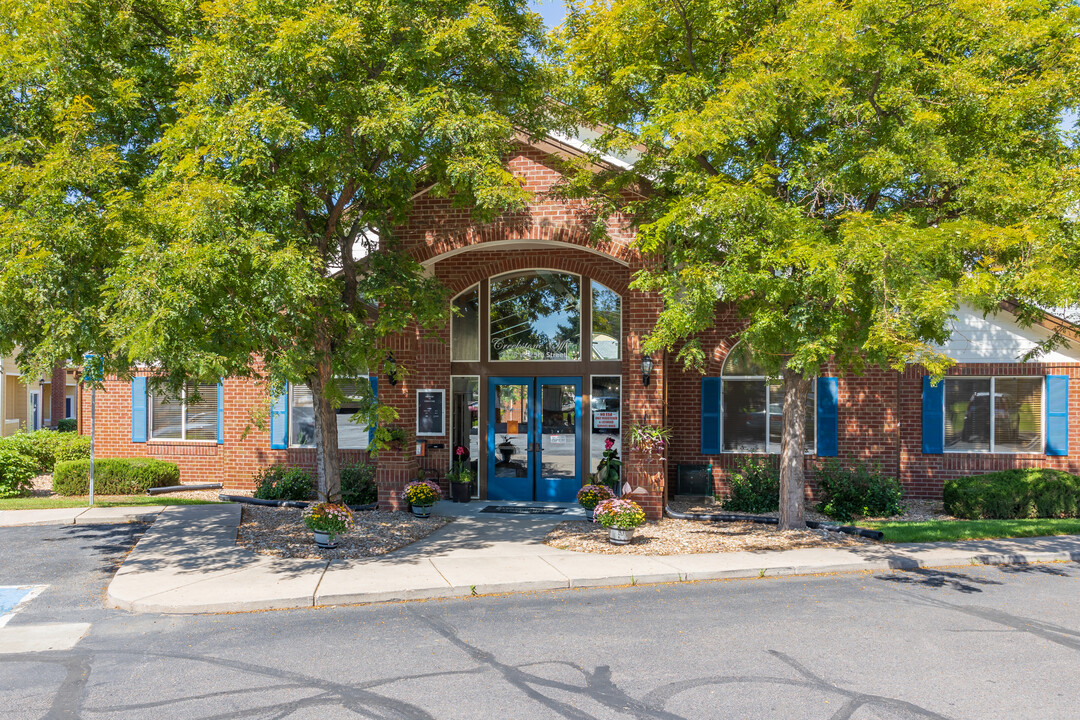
[[1057, 415], [710, 416], [220, 414], [375, 392], [828, 416], [138, 409], [933, 417], [279, 421]]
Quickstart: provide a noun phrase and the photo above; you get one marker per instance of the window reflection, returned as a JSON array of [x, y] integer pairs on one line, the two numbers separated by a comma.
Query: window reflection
[[536, 315], [606, 323]]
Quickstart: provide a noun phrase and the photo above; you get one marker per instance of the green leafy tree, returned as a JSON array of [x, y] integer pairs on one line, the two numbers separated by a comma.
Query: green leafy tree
[[233, 171], [306, 128], [843, 174], [85, 88]]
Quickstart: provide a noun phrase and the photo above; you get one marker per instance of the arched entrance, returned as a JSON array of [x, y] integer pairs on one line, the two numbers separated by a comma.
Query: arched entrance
[[536, 382]]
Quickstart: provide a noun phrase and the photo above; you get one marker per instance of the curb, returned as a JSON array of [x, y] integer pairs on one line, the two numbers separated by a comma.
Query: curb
[[319, 600]]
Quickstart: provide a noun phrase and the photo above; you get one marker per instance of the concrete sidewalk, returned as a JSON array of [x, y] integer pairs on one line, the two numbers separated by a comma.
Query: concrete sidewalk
[[188, 562], [80, 515]]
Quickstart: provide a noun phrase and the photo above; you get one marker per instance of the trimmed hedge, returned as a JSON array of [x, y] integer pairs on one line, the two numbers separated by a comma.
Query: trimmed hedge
[[48, 447], [754, 488], [860, 490], [1008, 494], [16, 472], [283, 482], [114, 476], [358, 484], [67, 425]]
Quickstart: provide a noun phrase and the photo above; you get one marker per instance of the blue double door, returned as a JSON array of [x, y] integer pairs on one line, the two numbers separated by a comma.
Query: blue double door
[[534, 438]]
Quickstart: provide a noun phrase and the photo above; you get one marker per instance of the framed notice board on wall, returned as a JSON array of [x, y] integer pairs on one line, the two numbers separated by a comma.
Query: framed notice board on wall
[[431, 413]]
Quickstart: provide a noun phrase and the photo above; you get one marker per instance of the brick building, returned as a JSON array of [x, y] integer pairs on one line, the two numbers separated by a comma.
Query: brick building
[[542, 365]]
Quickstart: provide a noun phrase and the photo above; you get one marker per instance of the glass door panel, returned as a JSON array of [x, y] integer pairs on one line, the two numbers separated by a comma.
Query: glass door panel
[[534, 438], [510, 470], [559, 422]]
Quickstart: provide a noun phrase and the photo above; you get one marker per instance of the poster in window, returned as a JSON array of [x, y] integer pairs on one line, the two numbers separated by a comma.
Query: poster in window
[[430, 414]]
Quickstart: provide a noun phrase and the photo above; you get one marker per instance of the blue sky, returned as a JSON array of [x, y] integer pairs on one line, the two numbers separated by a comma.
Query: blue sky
[[553, 11]]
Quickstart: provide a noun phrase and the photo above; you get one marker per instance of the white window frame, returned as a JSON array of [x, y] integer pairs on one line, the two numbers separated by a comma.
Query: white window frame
[[292, 444], [993, 420], [183, 420], [769, 446]]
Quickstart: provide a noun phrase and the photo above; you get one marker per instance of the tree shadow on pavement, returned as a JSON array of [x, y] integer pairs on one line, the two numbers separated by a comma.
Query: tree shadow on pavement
[[938, 579]]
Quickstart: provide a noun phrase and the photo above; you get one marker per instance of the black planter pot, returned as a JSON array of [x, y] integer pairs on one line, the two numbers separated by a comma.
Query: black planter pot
[[460, 492]]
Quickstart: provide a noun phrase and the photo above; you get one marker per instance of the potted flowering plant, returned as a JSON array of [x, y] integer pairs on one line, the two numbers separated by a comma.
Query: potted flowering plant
[[327, 520], [590, 496], [608, 471], [421, 495], [620, 516], [461, 476]]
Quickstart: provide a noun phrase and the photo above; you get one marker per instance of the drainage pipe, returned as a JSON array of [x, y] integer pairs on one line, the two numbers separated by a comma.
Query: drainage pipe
[[244, 499], [182, 488], [812, 524]]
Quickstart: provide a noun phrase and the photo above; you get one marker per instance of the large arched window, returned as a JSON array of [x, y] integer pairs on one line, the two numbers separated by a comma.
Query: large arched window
[[753, 406], [535, 315]]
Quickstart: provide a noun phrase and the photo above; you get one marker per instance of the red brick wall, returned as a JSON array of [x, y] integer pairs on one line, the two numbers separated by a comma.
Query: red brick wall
[[880, 421]]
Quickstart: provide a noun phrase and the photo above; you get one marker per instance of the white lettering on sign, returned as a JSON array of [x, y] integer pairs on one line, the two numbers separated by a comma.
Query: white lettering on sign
[[546, 350]]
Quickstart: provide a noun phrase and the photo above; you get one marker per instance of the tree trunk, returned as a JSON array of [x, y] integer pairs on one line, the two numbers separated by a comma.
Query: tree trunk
[[327, 466], [792, 457]]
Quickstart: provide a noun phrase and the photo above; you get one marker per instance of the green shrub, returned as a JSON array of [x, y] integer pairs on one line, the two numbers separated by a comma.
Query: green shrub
[[16, 472], [48, 447], [755, 488], [358, 484], [281, 482], [1032, 493], [114, 476], [858, 491], [67, 425]]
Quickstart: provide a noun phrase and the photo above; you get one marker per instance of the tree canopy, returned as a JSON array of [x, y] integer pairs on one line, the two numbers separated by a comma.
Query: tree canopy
[[252, 234], [844, 174]]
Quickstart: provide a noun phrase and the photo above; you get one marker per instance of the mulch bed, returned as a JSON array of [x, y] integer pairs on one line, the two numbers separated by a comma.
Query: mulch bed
[[281, 532], [678, 537]]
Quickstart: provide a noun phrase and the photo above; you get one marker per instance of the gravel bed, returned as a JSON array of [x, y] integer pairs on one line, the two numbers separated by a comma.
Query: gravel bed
[[281, 532], [678, 537]]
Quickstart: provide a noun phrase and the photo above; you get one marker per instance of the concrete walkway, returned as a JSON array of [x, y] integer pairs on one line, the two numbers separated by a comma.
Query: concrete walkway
[[188, 562], [80, 515]]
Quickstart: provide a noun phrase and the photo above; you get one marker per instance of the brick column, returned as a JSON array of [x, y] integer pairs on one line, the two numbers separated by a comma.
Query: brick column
[[396, 467], [644, 472]]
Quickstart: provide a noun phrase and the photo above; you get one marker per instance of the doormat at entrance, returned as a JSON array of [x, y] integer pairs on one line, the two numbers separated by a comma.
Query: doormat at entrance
[[515, 510]]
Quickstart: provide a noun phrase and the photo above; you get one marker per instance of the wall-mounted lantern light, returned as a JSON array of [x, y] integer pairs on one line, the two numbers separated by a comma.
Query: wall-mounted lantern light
[[646, 370]]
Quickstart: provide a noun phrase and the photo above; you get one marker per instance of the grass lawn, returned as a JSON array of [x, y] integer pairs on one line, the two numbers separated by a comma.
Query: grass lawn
[[947, 530], [41, 503]]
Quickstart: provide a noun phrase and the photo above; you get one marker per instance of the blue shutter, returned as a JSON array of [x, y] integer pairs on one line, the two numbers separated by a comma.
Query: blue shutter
[[828, 416], [374, 391], [138, 409], [279, 421], [710, 415], [1057, 415], [933, 417], [220, 414]]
